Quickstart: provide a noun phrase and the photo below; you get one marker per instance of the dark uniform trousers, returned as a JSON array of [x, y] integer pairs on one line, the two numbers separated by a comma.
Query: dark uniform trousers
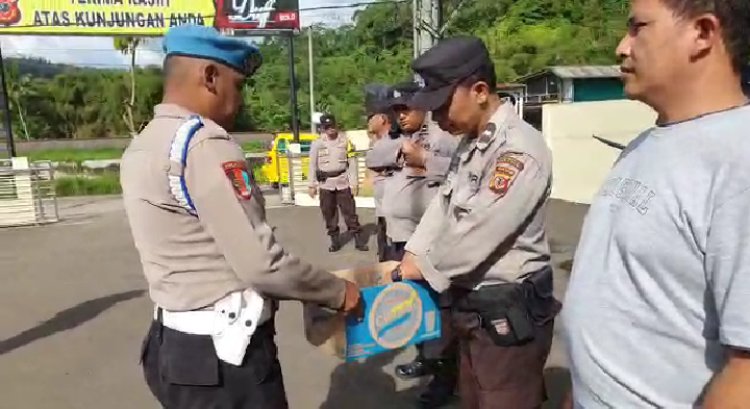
[[330, 202], [494, 377], [443, 348], [507, 375], [382, 240], [183, 372]]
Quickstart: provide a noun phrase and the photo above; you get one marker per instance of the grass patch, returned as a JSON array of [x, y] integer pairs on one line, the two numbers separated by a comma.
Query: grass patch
[[259, 176], [106, 184], [366, 191], [567, 265], [255, 146], [74, 155], [80, 155]]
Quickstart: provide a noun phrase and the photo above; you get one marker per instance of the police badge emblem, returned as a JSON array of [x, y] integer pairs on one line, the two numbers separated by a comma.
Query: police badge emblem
[[236, 171]]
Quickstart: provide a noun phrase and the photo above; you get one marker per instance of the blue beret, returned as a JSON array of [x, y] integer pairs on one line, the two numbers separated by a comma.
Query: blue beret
[[206, 42]]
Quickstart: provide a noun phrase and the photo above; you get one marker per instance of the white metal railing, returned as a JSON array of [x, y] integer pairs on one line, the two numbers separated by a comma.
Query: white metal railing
[[27, 193], [298, 183]]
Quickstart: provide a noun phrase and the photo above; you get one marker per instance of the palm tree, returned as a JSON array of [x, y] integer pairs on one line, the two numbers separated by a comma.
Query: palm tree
[[127, 46]]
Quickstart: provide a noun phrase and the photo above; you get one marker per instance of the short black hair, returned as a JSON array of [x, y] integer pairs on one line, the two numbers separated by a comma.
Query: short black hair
[[485, 73], [734, 16]]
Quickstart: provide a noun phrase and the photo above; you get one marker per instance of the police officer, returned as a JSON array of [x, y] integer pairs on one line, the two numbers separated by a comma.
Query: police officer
[[213, 265], [482, 240], [380, 126], [333, 171], [425, 152]]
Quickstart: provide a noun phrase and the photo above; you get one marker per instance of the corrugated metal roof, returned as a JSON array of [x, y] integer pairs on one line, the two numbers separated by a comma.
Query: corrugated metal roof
[[586, 71], [577, 71]]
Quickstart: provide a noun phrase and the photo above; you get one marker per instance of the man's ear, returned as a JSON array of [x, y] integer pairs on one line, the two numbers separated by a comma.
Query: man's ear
[[481, 92], [210, 77], [707, 33]]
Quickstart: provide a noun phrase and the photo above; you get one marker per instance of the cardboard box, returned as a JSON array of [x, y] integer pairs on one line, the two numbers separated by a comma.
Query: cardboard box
[[326, 329], [396, 315]]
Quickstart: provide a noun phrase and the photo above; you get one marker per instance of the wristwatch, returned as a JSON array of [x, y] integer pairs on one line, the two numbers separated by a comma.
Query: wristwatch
[[396, 274]]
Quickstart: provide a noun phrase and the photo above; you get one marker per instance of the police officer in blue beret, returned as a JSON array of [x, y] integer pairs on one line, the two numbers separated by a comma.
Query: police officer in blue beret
[[212, 262]]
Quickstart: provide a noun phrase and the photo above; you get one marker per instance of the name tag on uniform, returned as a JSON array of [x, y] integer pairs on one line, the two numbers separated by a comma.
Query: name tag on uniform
[[396, 315]]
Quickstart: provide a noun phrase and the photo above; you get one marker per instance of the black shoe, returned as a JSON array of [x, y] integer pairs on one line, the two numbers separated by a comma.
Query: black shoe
[[435, 397], [414, 369], [335, 244], [360, 241], [441, 389]]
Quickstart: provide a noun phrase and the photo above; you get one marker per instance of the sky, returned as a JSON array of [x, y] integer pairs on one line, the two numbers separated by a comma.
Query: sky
[[98, 51]]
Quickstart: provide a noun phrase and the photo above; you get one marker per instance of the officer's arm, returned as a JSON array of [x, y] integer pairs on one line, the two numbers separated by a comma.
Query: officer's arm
[[430, 226], [437, 166], [384, 154], [494, 219], [353, 168], [237, 223], [312, 179], [438, 161]]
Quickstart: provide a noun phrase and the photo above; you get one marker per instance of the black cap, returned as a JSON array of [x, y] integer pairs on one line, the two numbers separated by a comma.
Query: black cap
[[377, 97], [327, 121], [444, 66], [403, 93]]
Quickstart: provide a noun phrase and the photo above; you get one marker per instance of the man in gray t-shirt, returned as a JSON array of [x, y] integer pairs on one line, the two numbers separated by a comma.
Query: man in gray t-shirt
[[657, 313]]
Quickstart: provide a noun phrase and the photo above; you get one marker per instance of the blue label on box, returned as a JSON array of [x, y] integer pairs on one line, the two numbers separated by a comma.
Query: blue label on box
[[396, 315]]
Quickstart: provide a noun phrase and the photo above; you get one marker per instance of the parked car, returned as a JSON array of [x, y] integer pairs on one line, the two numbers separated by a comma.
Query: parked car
[[276, 167]]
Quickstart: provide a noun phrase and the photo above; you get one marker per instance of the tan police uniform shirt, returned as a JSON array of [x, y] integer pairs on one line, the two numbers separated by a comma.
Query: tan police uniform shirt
[[191, 262], [384, 160], [332, 155], [409, 192], [486, 225]]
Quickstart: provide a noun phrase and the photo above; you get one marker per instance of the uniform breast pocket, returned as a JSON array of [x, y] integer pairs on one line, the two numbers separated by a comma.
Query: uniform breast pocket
[[466, 191]]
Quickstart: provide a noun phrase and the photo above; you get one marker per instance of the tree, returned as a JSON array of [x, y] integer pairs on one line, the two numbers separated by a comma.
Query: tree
[[18, 88], [128, 46], [523, 36]]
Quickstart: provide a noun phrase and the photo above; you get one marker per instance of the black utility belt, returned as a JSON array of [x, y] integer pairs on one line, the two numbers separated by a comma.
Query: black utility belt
[[503, 310], [321, 176]]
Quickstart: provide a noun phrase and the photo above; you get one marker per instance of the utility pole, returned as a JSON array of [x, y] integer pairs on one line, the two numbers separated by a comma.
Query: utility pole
[[426, 20], [293, 85], [312, 77], [6, 110]]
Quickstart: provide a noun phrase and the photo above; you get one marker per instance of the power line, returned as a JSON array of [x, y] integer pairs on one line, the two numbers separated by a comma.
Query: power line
[[353, 5]]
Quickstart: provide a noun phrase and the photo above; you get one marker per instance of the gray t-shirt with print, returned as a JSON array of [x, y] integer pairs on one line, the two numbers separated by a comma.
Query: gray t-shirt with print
[[661, 279]]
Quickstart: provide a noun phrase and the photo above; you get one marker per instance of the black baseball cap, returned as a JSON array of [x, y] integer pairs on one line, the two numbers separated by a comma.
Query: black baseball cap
[[327, 121], [402, 94], [444, 66]]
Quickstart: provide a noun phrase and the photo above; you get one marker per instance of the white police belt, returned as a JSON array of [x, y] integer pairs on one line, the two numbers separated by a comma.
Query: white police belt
[[231, 323]]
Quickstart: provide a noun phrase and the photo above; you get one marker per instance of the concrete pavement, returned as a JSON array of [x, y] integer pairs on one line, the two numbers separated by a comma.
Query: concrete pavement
[[73, 311]]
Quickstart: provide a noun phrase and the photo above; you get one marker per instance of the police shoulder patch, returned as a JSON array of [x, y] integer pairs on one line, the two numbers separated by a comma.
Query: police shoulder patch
[[236, 171], [507, 167]]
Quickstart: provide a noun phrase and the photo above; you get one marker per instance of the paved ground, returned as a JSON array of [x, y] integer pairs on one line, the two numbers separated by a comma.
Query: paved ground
[[73, 312]]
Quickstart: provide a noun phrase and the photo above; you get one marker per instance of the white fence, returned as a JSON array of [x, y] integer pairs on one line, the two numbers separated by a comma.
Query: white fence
[[27, 193], [296, 193]]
